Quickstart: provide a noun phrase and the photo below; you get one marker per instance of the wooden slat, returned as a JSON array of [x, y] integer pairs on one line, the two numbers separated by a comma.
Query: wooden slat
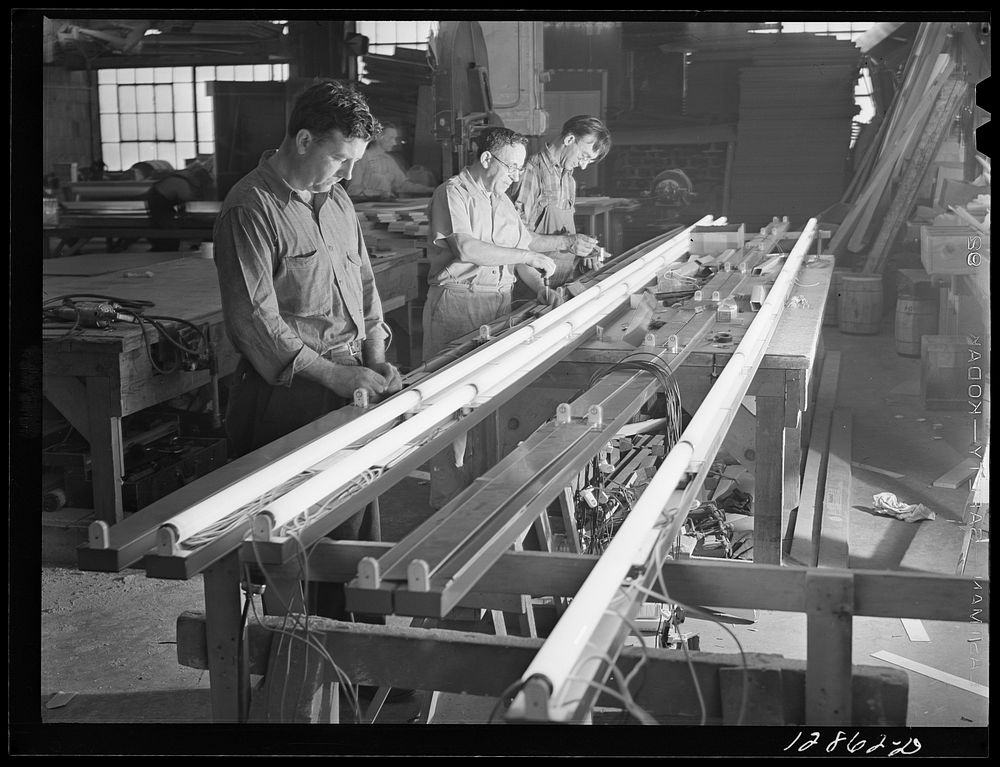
[[725, 583], [835, 526], [482, 664], [805, 537]]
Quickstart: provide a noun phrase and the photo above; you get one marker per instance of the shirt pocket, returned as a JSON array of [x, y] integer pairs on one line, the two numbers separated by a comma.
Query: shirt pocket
[[353, 290], [303, 284]]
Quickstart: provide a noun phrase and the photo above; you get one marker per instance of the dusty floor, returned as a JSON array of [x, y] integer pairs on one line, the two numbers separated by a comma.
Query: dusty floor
[[107, 640]]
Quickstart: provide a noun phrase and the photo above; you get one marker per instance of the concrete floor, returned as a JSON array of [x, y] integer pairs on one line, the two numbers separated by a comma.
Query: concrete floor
[[107, 640]]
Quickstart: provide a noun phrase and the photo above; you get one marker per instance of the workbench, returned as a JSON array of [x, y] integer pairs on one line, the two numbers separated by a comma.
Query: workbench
[[598, 217], [95, 378], [780, 391]]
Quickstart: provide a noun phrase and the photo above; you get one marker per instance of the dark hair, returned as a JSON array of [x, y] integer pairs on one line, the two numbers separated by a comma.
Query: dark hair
[[492, 139], [583, 126], [331, 105]]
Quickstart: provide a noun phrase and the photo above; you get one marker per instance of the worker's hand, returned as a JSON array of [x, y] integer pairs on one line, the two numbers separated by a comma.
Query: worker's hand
[[591, 262], [394, 381], [346, 379], [542, 263], [549, 297], [582, 244]]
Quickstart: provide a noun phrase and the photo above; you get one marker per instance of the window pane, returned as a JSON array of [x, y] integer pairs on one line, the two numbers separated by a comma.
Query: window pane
[[224, 73], [184, 97], [262, 72], [126, 76], [203, 100], [206, 127], [185, 149], [163, 75], [107, 98], [184, 126], [147, 127], [204, 73], [111, 155], [147, 150], [106, 77], [109, 128], [126, 98], [130, 155], [164, 98], [183, 75], [129, 129], [144, 98], [206, 147], [168, 151], [243, 73], [276, 73], [144, 75], [165, 127]]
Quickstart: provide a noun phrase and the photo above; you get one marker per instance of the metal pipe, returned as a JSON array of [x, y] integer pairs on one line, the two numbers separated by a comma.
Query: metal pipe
[[547, 677]]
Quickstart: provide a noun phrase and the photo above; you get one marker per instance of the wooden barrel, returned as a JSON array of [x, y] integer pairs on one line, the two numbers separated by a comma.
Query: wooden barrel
[[860, 308], [833, 297], [915, 318]]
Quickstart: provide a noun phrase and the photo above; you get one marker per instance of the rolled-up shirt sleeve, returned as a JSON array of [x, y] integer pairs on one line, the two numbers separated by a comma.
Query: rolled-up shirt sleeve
[[243, 259]]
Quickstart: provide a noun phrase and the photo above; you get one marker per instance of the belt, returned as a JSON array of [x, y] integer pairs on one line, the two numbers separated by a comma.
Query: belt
[[350, 349], [473, 288]]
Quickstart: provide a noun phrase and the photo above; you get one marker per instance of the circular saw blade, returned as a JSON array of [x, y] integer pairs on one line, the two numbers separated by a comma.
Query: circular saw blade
[[672, 187]]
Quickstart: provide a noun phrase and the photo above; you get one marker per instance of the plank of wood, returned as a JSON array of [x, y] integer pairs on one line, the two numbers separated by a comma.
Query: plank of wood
[[959, 475], [933, 673], [482, 664], [829, 619], [915, 630], [877, 470], [947, 104], [835, 525], [805, 541]]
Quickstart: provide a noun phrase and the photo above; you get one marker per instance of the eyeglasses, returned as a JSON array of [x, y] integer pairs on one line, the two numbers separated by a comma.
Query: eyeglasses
[[519, 169], [588, 157]]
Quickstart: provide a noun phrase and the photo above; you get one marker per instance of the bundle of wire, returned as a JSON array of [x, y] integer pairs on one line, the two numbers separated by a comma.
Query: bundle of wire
[[132, 311]]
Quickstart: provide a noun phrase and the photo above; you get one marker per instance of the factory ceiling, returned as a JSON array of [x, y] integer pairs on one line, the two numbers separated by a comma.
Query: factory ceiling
[[102, 43]]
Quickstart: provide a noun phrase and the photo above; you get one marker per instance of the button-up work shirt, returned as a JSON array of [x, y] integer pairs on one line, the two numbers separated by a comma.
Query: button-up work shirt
[[461, 205], [295, 278], [376, 174], [546, 195]]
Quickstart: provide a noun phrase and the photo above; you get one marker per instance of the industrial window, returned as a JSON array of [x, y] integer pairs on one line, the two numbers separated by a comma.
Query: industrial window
[[385, 36], [842, 30], [165, 113]]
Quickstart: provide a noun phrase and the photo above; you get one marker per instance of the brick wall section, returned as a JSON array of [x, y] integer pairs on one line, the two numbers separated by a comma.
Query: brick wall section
[[632, 168], [67, 133]]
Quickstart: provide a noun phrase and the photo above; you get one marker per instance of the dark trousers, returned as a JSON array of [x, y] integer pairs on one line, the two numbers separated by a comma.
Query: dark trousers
[[257, 414]]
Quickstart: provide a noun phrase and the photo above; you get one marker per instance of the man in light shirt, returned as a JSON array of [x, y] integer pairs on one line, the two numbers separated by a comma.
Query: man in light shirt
[[475, 241], [377, 175]]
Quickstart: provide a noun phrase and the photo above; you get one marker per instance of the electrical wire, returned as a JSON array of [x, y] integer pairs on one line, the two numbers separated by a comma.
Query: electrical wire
[[509, 692]]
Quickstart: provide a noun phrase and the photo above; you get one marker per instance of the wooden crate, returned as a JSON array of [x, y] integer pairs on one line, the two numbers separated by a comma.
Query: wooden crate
[[947, 249]]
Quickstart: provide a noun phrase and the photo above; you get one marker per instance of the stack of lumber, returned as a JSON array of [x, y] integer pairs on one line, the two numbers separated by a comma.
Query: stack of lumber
[[899, 161], [395, 83], [794, 130], [392, 226]]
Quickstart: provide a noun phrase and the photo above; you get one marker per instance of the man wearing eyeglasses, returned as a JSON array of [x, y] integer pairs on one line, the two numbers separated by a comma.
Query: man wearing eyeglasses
[[546, 194], [475, 241]]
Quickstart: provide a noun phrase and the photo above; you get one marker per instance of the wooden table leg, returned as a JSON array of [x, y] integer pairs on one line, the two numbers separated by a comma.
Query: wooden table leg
[[792, 477], [230, 685], [768, 480], [107, 454]]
